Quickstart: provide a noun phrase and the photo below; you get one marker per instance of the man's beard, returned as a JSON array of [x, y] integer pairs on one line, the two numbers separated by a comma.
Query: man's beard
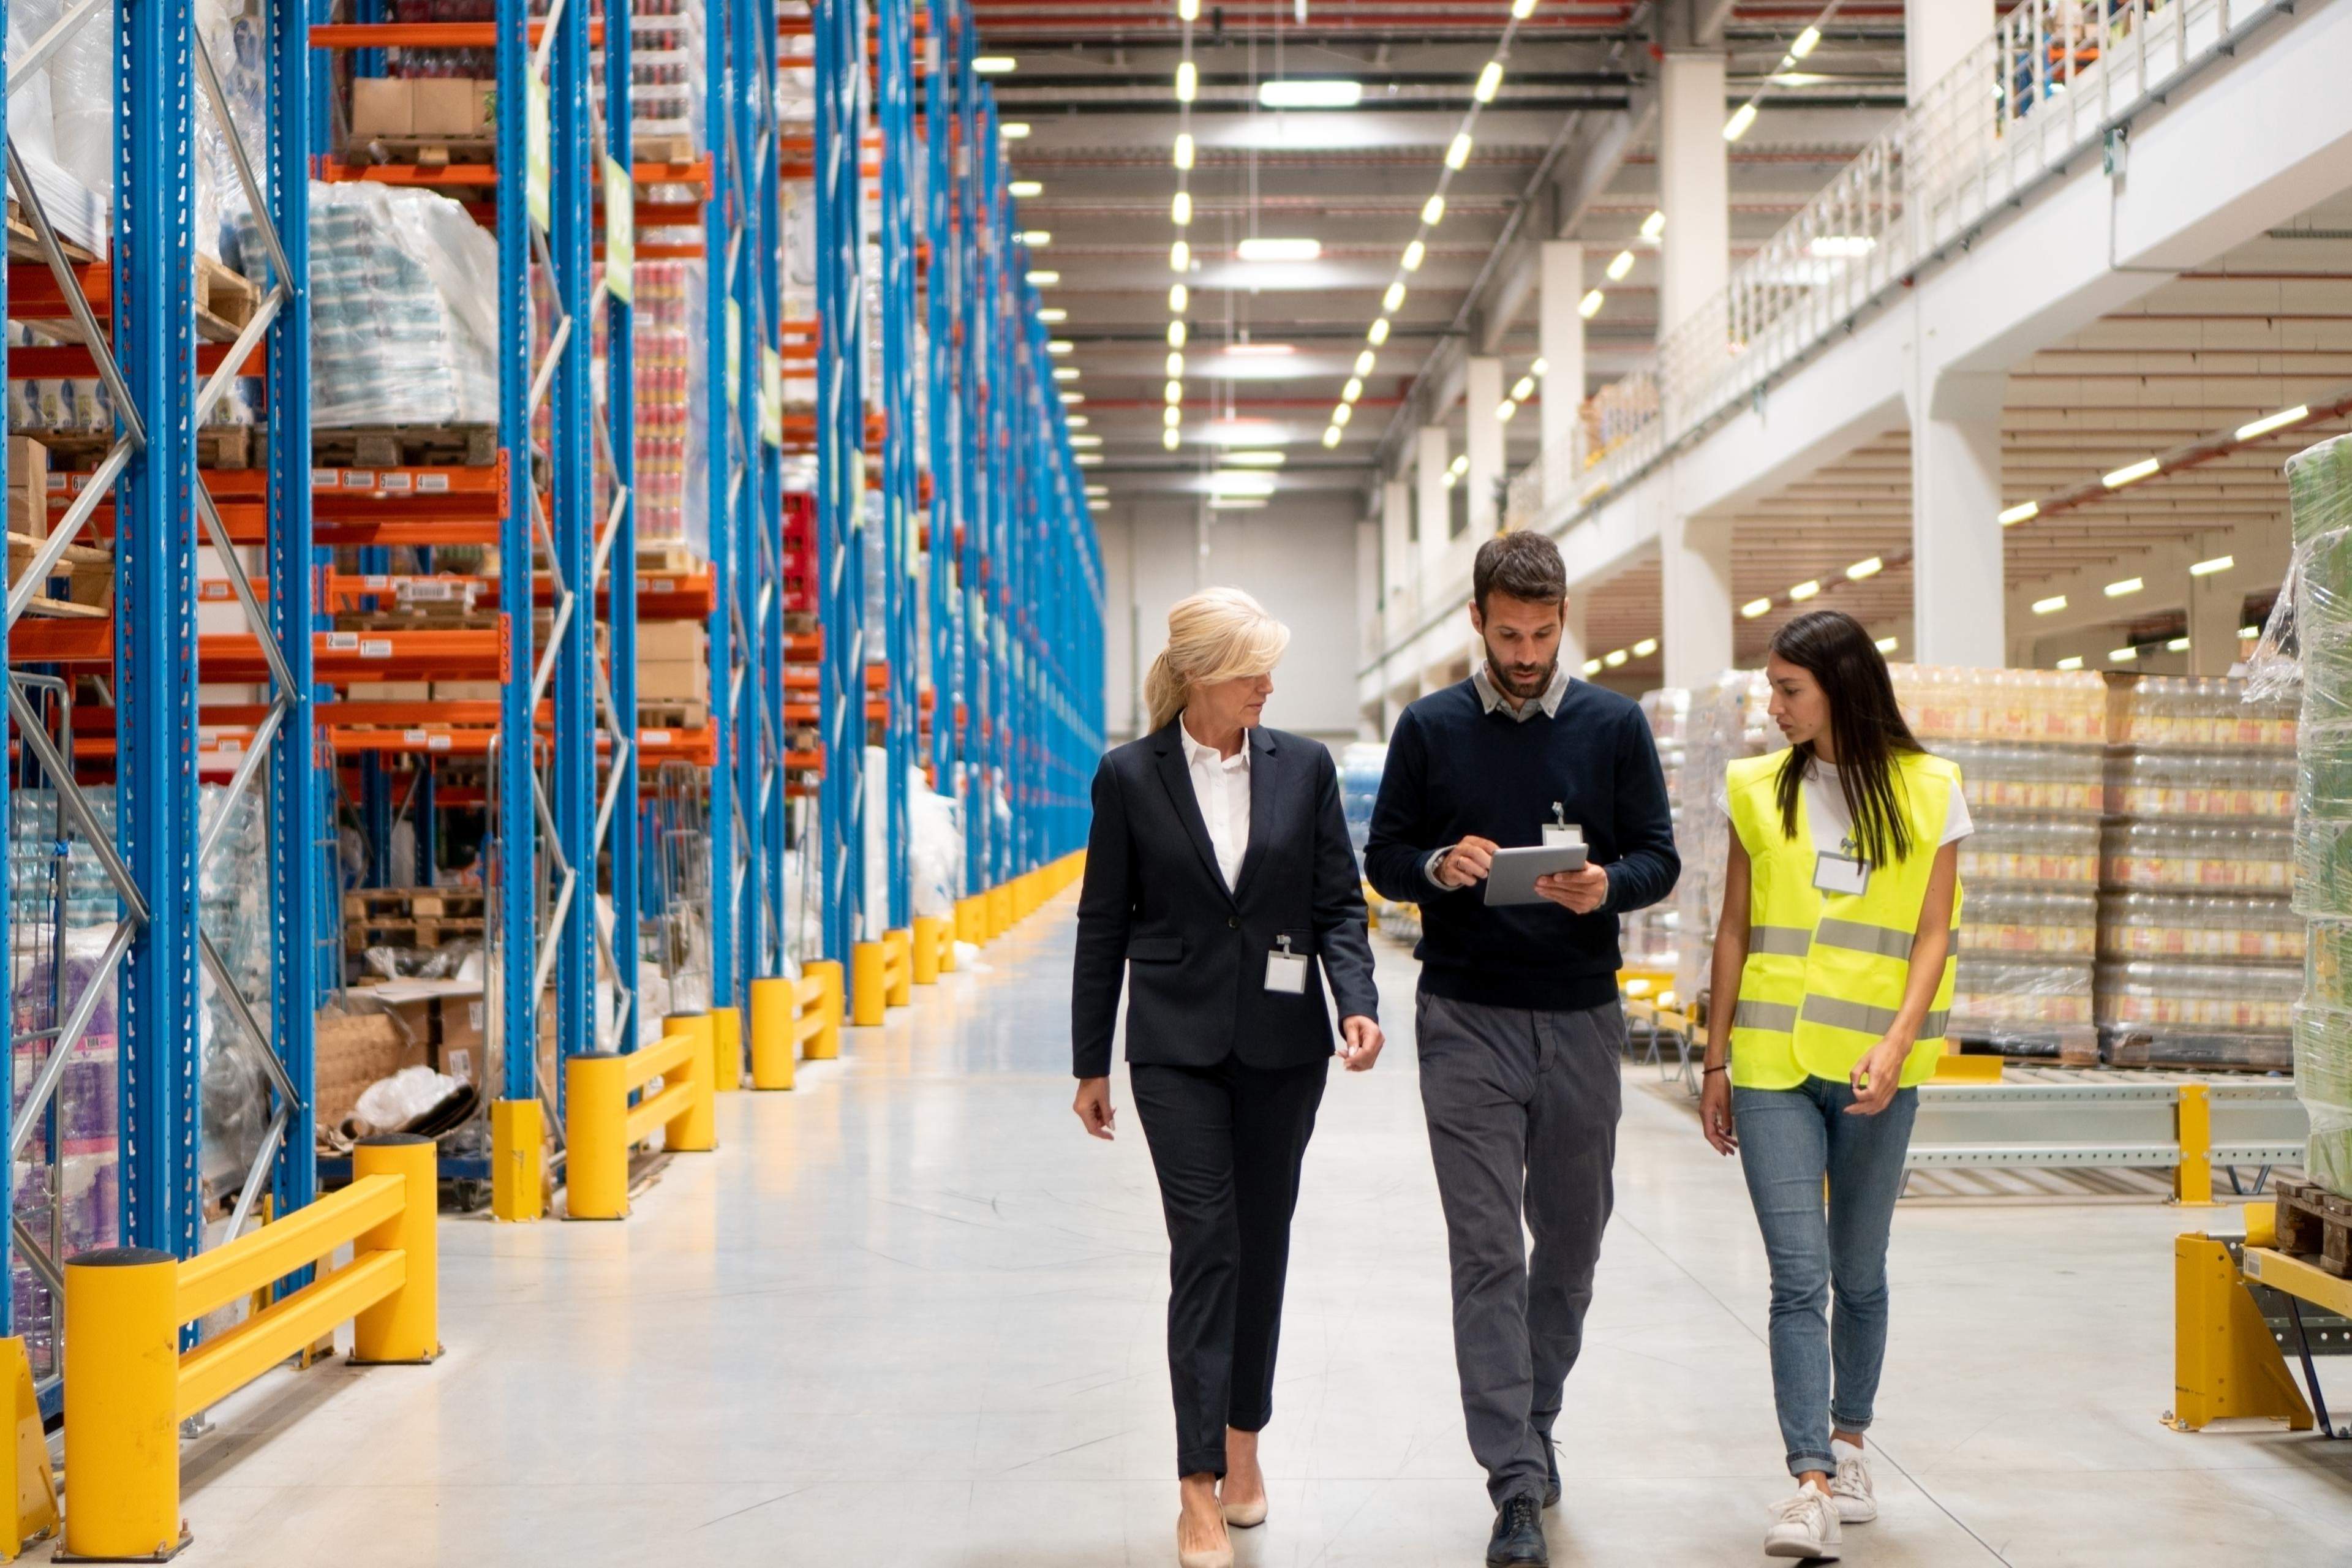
[[1517, 686]]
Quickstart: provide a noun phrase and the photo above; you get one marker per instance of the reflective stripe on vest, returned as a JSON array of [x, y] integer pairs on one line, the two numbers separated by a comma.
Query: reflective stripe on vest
[[1777, 1017], [1882, 940], [1860, 1018], [1788, 941]]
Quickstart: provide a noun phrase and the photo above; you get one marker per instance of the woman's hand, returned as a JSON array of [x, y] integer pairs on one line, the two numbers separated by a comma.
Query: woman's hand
[[1878, 1075], [1714, 1112], [1094, 1107], [1359, 1043]]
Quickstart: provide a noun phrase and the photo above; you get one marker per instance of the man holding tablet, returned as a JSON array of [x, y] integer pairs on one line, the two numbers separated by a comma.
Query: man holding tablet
[[1519, 1025]]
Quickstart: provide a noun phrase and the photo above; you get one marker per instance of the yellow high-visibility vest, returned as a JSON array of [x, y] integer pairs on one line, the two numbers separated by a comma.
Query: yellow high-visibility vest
[[1826, 972]]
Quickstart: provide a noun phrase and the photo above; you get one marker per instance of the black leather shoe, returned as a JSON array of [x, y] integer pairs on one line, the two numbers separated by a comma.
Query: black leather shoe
[[1519, 1539], [1551, 1475]]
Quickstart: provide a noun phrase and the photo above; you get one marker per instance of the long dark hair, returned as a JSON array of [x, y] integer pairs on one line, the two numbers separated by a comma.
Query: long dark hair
[[1869, 728]]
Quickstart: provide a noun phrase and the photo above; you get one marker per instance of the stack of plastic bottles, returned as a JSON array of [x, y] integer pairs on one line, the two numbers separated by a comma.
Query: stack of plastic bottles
[[2200, 953], [2319, 484], [2028, 743], [1648, 938], [667, 50], [403, 324], [1721, 722]]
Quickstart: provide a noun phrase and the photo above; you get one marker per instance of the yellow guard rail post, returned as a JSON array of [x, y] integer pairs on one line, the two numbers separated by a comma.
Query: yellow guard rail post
[[933, 951], [128, 1386], [898, 968], [824, 1044], [602, 1126]]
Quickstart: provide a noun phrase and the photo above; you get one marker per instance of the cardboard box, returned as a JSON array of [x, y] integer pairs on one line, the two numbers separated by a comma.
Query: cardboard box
[[672, 642], [464, 1042], [389, 691], [28, 488], [673, 682], [383, 106], [449, 106], [467, 692]]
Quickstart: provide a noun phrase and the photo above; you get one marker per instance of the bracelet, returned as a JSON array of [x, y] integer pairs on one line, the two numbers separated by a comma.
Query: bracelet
[[1704, 1071]]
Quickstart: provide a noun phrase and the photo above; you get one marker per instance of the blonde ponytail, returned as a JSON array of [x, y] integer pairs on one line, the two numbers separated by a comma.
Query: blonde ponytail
[[1218, 634]]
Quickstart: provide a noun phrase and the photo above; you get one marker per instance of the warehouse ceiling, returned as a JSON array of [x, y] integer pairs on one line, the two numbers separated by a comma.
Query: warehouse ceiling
[[1565, 150]]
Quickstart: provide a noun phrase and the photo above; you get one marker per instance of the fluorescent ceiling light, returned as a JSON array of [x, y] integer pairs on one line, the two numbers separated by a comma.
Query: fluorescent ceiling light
[[1590, 306], [1753, 607], [1188, 10], [1259, 350], [1805, 590], [1086, 440], [1188, 81], [1065, 373], [1180, 258], [1432, 210], [1784, 76], [1225, 482], [1741, 119], [1234, 503], [2279, 421], [2024, 513], [1168, 437], [1331, 436], [1342, 411], [1614, 657], [1364, 362], [1175, 334], [1174, 392], [1393, 298], [1451, 476], [1838, 246], [1042, 278], [1522, 9], [995, 65], [1618, 265], [1489, 79], [2131, 473], [1052, 314], [2249, 633], [1072, 399], [1098, 489], [1059, 345], [1014, 131], [1412, 255], [1505, 409], [1457, 152], [1256, 248], [1380, 333], [1255, 459], [2076, 662], [2122, 655], [1088, 459], [1592, 666], [2050, 605], [1179, 210], [1075, 421], [1524, 388], [1179, 296], [1887, 645], [1541, 368], [1645, 647], [2206, 568], [1183, 149], [1028, 187], [2124, 589], [1805, 42], [1175, 363], [1862, 569], [2177, 645], [1310, 92], [1245, 433], [1460, 466], [1654, 224], [1171, 416], [1353, 390]]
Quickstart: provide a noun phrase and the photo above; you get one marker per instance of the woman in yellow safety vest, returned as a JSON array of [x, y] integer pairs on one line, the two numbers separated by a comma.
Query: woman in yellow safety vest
[[1833, 967]]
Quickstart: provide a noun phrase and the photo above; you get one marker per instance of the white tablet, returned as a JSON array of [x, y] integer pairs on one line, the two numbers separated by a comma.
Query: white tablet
[[1511, 880]]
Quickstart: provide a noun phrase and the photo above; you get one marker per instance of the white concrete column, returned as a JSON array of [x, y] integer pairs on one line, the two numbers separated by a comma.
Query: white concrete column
[[1560, 285], [1938, 35], [1959, 597], [1430, 459], [1695, 599], [1694, 186], [2216, 603], [1400, 564], [1572, 653], [1482, 392]]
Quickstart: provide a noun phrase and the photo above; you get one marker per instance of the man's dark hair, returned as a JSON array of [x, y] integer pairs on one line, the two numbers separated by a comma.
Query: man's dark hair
[[1521, 564]]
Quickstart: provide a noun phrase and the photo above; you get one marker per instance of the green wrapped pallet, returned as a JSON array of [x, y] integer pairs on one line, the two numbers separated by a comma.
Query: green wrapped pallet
[[2319, 488], [2323, 1081]]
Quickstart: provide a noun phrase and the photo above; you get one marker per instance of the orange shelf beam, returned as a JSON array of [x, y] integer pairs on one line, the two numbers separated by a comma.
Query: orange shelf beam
[[426, 35]]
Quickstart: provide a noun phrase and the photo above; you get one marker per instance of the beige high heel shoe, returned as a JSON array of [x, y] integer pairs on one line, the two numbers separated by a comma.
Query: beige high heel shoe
[[1207, 1557], [1243, 1515]]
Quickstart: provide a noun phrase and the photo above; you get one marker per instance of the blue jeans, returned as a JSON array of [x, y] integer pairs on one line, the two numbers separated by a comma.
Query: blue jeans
[[1789, 1140]]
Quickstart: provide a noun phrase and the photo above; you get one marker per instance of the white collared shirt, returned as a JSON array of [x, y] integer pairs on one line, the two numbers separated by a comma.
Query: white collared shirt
[[1222, 785]]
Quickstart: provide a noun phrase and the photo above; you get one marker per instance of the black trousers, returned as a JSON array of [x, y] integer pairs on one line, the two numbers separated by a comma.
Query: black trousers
[[1226, 1141]]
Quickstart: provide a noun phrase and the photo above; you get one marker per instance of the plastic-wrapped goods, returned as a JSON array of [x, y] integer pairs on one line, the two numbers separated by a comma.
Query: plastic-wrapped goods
[[404, 309], [1720, 722], [2186, 712], [2005, 918], [934, 846], [2052, 851], [2051, 707], [2167, 1014], [2199, 926], [2247, 784], [2250, 857], [2006, 1001], [2323, 1081], [1362, 763], [2001, 776]]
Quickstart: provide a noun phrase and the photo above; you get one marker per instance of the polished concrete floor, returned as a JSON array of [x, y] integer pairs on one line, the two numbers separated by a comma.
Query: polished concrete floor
[[910, 1315]]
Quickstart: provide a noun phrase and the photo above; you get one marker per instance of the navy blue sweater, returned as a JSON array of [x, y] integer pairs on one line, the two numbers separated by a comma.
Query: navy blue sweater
[[1454, 769]]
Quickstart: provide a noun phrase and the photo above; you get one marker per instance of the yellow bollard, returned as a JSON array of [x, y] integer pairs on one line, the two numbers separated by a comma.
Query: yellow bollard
[[727, 1050], [1000, 911], [898, 968], [868, 995], [695, 1129], [122, 1405], [404, 1328], [597, 1136], [825, 1047], [774, 1053], [971, 921], [518, 1160], [948, 938], [930, 934], [704, 1027]]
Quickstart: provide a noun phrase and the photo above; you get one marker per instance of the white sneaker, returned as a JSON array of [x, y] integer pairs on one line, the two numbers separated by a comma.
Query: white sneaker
[[1805, 1525], [1850, 1491]]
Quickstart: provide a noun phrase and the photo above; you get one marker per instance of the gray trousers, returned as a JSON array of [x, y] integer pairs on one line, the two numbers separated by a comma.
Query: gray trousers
[[1522, 1111]]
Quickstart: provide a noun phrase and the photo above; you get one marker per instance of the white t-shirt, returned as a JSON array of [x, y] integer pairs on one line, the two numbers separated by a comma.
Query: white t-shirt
[[1826, 815]]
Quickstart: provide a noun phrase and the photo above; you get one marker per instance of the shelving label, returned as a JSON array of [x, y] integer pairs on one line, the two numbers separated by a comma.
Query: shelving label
[[375, 648], [620, 233]]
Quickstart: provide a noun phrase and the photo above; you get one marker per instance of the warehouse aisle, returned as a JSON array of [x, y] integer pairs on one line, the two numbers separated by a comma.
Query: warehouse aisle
[[911, 1316]]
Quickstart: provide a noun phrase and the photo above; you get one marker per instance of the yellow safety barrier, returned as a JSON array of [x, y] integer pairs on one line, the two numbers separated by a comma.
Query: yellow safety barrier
[[601, 1126], [30, 1488], [971, 919], [2225, 1362], [869, 983], [726, 1049], [824, 1044], [932, 952], [898, 968], [2192, 1179], [128, 1386], [518, 1160], [1000, 910]]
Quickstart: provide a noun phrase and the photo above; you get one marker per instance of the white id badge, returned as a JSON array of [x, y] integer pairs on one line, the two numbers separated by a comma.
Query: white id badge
[[1840, 873], [1286, 971], [1560, 833]]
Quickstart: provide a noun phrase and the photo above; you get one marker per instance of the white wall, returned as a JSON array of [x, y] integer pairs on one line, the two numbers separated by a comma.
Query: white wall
[[1299, 559]]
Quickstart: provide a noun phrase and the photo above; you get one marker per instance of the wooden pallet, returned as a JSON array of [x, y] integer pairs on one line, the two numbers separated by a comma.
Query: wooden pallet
[[424, 151], [673, 715], [225, 300], [90, 566], [361, 935], [434, 903], [409, 445], [667, 561], [2316, 1225], [217, 445], [24, 245], [664, 149]]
